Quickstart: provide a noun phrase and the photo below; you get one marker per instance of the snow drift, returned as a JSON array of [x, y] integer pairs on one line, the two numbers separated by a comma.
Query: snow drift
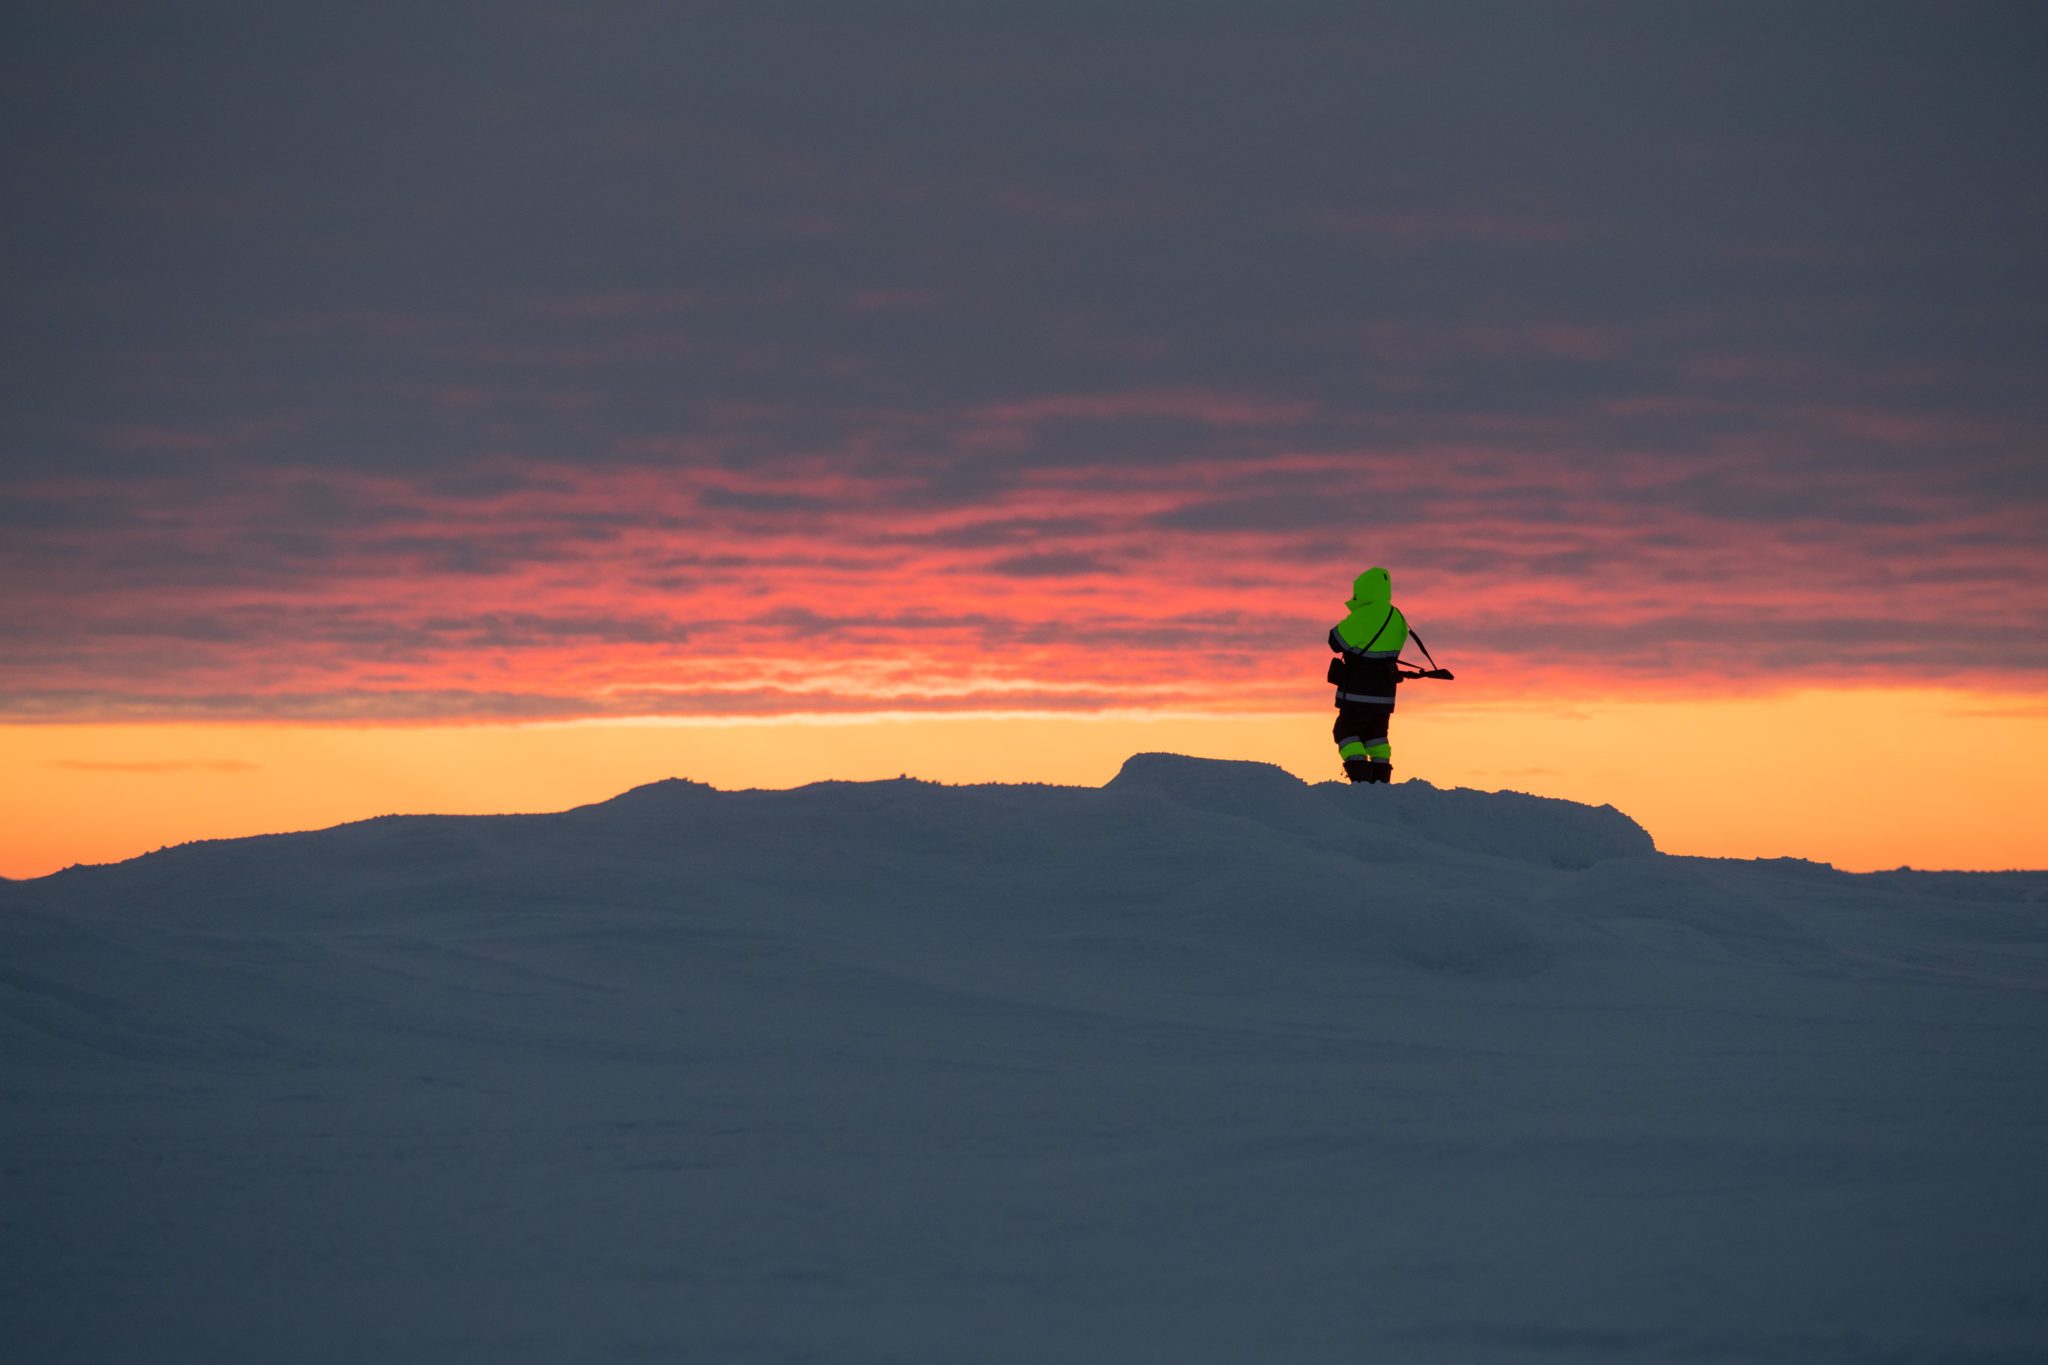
[[1206, 1064]]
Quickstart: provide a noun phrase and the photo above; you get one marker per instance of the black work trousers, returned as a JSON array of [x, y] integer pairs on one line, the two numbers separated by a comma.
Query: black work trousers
[[1365, 722]]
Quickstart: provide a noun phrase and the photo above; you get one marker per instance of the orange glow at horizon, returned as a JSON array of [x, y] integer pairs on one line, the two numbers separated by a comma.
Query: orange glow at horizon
[[1814, 774]]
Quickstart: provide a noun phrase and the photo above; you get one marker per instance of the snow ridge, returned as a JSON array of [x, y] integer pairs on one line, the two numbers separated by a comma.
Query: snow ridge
[[1207, 1064]]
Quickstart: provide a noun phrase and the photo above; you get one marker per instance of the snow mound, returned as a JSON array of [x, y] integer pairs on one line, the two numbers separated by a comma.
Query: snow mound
[[1532, 829], [1207, 1064]]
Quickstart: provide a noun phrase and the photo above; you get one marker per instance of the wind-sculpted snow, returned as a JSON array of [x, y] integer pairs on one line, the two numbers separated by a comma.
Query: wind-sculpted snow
[[1535, 829], [1206, 1064]]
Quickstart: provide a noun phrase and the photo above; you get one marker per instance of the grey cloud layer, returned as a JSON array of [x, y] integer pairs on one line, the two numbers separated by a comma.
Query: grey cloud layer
[[1752, 268]]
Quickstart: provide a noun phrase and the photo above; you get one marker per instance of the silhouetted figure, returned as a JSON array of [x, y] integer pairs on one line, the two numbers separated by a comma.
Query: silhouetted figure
[[1368, 643]]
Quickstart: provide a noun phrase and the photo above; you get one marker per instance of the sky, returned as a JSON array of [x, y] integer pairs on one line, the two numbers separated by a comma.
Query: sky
[[387, 371]]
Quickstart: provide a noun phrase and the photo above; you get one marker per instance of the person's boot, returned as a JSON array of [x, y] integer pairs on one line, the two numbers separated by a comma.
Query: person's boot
[[1363, 770]]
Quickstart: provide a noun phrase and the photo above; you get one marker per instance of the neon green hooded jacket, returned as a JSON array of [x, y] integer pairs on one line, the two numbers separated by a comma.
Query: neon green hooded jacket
[[1375, 629]]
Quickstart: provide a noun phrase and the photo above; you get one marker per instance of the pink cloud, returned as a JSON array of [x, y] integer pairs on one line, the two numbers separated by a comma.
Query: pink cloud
[[552, 590], [1193, 405]]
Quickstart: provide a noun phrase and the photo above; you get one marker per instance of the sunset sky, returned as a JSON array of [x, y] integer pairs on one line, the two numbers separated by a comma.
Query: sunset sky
[[490, 407]]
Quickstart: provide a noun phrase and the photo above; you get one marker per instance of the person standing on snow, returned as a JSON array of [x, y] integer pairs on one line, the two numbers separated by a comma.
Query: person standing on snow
[[1368, 643]]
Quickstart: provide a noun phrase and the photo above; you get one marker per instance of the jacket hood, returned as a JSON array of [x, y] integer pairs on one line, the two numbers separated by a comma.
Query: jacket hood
[[1371, 588]]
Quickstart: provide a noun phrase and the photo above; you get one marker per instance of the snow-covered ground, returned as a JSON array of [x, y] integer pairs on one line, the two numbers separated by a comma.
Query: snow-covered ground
[[1205, 1065]]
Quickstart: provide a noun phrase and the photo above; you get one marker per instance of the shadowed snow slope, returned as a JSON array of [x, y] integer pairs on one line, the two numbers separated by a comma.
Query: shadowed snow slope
[[1206, 1064]]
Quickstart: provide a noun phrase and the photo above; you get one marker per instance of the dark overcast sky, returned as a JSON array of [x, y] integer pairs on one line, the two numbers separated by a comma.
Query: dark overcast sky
[[511, 359]]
